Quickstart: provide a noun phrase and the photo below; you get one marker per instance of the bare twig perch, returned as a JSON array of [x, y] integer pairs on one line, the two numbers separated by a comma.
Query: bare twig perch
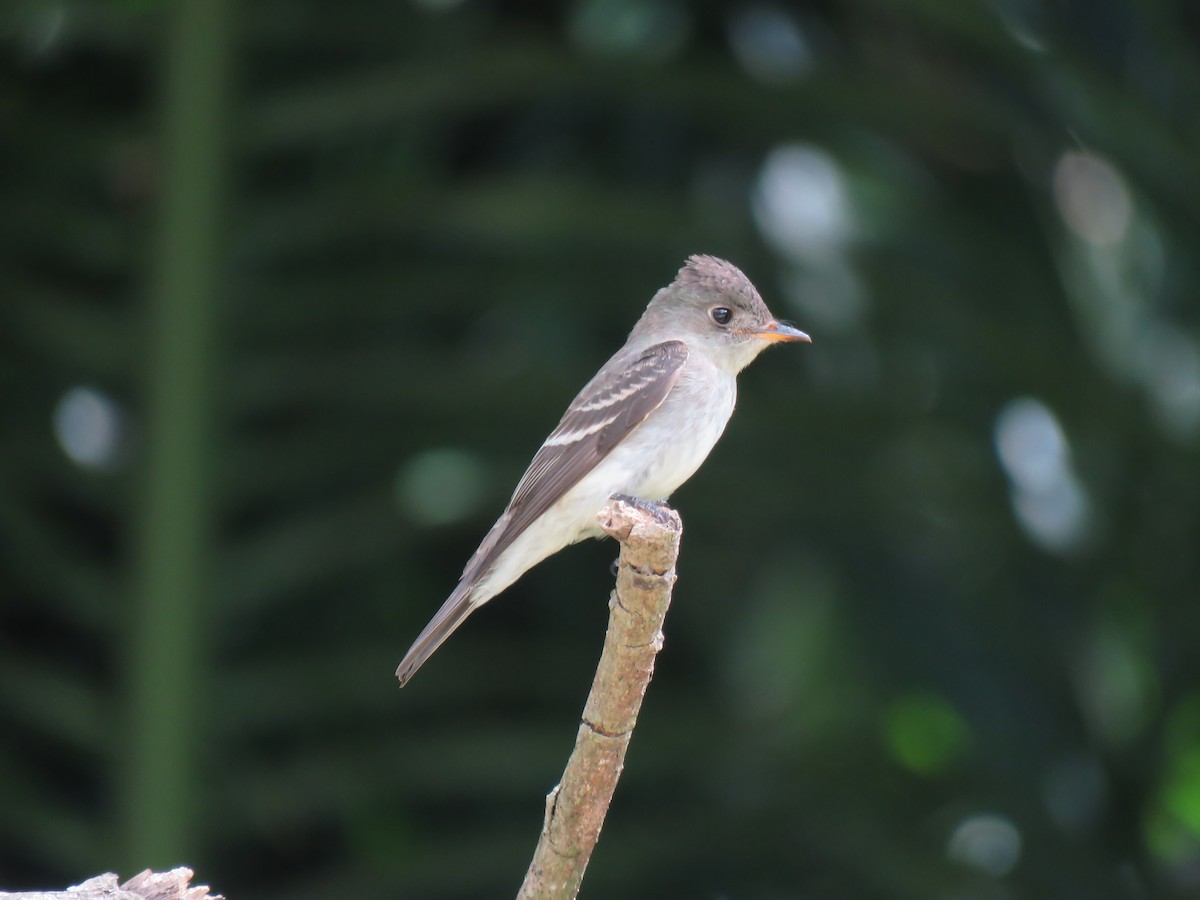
[[173, 885], [575, 809]]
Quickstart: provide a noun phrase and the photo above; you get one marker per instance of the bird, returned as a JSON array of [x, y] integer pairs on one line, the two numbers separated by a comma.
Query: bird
[[640, 428]]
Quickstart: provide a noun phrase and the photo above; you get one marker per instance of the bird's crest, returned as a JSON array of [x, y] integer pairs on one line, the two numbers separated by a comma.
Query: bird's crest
[[716, 275]]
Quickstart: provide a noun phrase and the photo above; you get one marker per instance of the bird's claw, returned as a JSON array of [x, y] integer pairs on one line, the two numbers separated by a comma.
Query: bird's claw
[[660, 509]]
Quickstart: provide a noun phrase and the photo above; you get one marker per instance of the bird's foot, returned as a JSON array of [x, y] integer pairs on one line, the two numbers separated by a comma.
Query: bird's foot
[[660, 509]]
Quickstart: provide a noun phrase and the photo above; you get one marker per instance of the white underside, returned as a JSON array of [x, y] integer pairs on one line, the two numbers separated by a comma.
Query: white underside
[[655, 459]]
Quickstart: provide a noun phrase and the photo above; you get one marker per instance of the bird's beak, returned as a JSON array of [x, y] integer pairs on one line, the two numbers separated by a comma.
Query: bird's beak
[[782, 332]]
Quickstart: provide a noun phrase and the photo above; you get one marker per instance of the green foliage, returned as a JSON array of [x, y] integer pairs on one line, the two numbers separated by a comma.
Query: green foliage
[[290, 296]]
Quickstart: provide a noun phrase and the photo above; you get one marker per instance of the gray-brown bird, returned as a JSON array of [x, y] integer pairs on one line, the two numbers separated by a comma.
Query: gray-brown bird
[[641, 427]]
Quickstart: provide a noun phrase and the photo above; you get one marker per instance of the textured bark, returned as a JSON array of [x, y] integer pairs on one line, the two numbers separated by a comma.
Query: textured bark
[[173, 885], [575, 809]]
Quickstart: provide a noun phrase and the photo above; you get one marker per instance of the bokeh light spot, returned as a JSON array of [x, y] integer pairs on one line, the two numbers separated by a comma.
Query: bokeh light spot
[[925, 733], [652, 30], [987, 842], [1031, 444], [89, 426], [1048, 499], [1056, 517], [801, 203], [1092, 198], [441, 486], [769, 43]]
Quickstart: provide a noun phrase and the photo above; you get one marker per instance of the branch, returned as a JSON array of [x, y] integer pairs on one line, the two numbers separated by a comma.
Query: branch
[[173, 885], [575, 809]]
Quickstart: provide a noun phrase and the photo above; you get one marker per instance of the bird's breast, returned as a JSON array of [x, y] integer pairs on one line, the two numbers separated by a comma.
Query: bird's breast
[[667, 449]]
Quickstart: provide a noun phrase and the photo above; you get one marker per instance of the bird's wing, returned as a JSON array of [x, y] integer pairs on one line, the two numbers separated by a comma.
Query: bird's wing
[[605, 412]]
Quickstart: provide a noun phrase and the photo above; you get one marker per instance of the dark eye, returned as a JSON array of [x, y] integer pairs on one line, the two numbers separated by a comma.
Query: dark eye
[[721, 314]]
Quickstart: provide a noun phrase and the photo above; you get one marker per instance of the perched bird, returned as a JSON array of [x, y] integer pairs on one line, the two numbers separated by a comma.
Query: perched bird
[[640, 428]]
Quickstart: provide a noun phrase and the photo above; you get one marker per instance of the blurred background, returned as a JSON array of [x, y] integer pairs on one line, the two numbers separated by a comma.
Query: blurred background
[[293, 290]]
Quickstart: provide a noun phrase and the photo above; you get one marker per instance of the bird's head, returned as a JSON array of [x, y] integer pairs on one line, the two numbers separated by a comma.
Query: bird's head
[[714, 306]]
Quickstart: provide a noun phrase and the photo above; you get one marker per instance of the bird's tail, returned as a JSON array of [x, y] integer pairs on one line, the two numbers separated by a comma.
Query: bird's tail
[[453, 613]]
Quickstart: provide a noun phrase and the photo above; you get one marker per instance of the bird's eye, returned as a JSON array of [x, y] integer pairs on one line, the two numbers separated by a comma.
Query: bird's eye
[[721, 314]]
